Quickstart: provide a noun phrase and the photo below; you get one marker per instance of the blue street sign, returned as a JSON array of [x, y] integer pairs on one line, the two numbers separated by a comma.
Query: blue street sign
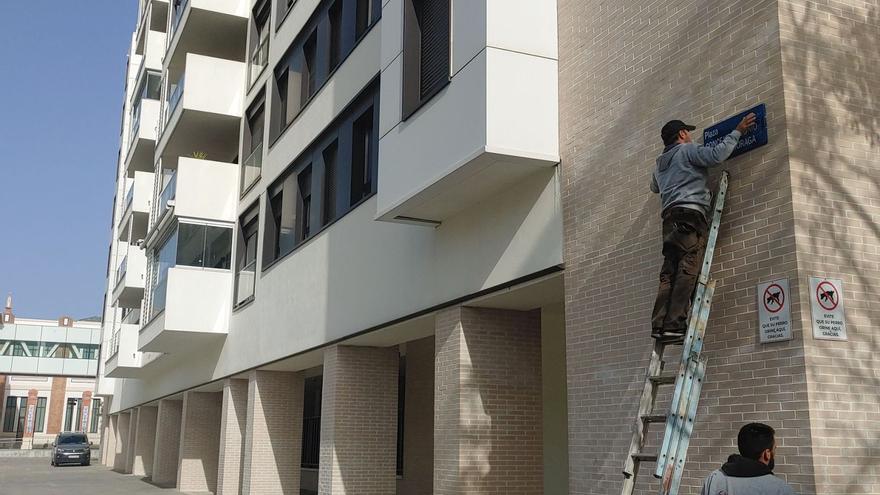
[[755, 138]]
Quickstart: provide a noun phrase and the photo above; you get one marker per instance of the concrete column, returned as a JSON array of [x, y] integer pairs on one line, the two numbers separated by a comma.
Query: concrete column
[[122, 425], [418, 423], [359, 421], [109, 446], [130, 444], [145, 441], [199, 442], [272, 448], [488, 402], [233, 425], [166, 451]]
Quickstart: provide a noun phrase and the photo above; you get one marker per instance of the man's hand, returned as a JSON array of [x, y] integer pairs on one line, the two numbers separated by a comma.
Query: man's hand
[[746, 123]]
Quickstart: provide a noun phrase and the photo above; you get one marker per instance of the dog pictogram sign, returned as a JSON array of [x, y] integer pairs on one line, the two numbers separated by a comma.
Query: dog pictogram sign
[[826, 308], [774, 313]]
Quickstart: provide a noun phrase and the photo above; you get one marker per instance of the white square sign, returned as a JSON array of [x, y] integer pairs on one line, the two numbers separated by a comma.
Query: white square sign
[[826, 308], [774, 311]]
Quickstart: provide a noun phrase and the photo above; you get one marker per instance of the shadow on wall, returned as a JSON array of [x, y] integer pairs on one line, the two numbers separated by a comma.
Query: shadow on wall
[[830, 54]]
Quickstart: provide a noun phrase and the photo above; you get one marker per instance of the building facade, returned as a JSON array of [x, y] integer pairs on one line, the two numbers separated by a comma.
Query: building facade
[[407, 246], [47, 379]]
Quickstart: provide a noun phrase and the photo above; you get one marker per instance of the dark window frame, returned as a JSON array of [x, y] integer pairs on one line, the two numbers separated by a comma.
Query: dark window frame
[[291, 64], [40, 414], [255, 112], [286, 184], [414, 96], [248, 227], [9, 415]]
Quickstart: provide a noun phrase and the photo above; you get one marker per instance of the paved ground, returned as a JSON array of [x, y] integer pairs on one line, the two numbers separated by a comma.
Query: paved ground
[[34, 476]]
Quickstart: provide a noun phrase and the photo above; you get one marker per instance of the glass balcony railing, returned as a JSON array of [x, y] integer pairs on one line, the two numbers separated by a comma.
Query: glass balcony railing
[[245, 280], [258, 61], [168, 193], [129, 198], [122, 270], [174, 99], [135, 123], [251, 168], [131, 316]]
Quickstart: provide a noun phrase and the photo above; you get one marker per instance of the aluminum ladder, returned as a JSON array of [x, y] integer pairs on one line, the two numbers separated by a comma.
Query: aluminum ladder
[[688, 381]]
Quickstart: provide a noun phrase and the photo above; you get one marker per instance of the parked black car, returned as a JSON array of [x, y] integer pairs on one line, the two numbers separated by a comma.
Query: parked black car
[[71, 448]]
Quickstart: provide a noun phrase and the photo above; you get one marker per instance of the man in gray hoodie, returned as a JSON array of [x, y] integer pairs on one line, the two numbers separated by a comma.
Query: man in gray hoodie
[[750, 472], [681, 177]]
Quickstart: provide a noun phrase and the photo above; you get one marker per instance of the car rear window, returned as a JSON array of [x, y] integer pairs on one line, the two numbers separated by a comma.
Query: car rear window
[[68, 439]]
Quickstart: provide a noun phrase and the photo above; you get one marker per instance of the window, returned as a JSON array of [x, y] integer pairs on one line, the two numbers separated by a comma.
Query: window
[[362, 157], [22, 413], [328, 210], [311, 437], [40, 414], [334, 174], [332, 32], [9, 415], [335, 16], [71, 410], [165, 259], [365, 16], [96, 414], [281, 10], [304, 179], [259, 41], [310, 69], [246, 254], [425, 51], [253, 144]]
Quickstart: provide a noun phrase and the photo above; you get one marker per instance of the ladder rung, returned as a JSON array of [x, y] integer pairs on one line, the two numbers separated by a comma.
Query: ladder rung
[[663, 379], [645, 457], [654, 418]]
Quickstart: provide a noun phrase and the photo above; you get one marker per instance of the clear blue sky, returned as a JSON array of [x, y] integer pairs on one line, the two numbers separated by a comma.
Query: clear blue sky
[[60, 98]]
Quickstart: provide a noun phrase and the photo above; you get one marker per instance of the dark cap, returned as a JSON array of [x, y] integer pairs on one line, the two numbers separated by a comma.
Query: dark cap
[[670, 131]]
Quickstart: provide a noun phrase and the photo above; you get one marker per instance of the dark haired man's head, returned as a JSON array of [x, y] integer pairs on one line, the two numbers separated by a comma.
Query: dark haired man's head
[[756, 441]]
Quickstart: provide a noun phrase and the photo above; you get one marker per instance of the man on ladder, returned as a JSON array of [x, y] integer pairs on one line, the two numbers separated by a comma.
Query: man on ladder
[[681, 178]]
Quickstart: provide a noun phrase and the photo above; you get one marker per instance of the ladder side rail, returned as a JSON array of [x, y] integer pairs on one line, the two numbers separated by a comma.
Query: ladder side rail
[[678, 406], [718, 208], [646, 402], [678, 469]]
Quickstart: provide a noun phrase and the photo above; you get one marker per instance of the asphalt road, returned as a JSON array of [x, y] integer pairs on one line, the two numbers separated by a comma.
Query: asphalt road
[[34, 476]]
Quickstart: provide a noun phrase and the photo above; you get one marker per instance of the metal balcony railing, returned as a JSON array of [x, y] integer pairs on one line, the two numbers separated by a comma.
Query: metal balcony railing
[[168, 193], [179, 9], [114, 344], [174, 98], [129, 198], [122, 270], [135, 123]]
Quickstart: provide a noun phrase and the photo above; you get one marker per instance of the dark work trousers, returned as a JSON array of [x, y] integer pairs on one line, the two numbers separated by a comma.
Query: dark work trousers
[[685, 232]]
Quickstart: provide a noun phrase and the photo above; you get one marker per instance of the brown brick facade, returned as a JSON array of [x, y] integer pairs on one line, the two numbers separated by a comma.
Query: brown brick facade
[[359, 420], [487, 402], [199, 442], [56, 405], [274, 412]]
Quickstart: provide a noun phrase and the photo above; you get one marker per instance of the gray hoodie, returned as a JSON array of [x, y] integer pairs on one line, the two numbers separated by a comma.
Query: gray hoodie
[[682, 173], [741, 476]]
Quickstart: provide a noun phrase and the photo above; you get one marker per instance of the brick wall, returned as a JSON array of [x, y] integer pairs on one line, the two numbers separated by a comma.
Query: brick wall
[[166, 452], [233, 425], [488, 402], [123, 422], [199, 442], [625, 69], [418, 431], [273, 446], [831, 69], [56, 405], [145, 441], [358, 421]]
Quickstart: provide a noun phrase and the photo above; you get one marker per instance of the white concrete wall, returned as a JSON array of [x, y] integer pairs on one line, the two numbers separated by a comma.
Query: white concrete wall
[[198, 300], [231, 7], [206, 189], [148, 128], [214, 85], [143, 192], [154, 50]]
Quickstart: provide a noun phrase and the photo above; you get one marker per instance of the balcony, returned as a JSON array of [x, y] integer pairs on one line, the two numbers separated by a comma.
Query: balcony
[[216, 28], [130, 277], [197, 188], [143, 134], [203, 110], [195, 308], [258, 61], [153, 18], [49, 350], [136, 210], [125, 361], [487, 129], [252, 168]]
